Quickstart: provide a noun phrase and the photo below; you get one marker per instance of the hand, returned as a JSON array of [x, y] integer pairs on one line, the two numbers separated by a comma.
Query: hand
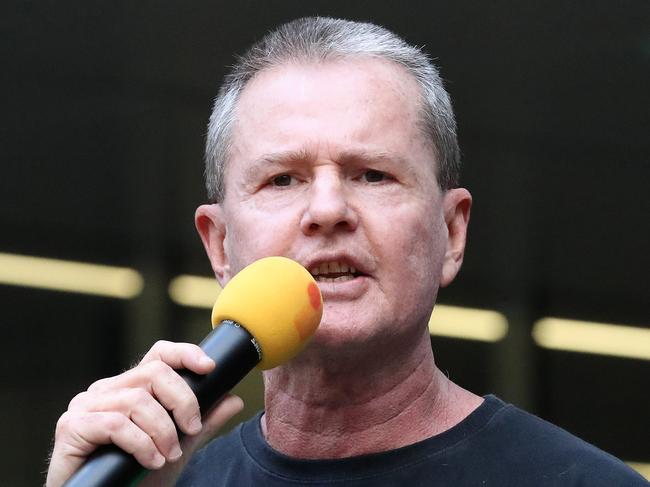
[[132, 410]]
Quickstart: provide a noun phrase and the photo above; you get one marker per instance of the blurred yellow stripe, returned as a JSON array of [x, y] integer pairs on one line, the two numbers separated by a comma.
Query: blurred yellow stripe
[[70, 276], [597, 338], [468, 323], [449, 321], [195, 291], [642, 468]]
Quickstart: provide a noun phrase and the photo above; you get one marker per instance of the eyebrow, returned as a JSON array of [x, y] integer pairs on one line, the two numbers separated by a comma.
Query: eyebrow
[[281, 158], [289, 156], [355, 156], [346, 156]]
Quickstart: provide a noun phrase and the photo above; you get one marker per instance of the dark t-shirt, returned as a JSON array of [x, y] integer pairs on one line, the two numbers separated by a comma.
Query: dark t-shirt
[[496, 445]]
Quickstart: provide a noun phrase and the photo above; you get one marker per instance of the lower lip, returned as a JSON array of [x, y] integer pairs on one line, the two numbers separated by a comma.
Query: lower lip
[[342, 290]]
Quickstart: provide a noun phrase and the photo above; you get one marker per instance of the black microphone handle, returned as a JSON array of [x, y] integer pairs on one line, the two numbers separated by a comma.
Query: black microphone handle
[[235, 352]]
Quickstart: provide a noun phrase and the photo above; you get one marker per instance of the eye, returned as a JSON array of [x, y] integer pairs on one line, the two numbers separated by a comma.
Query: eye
[[374, 176], [282, 180]]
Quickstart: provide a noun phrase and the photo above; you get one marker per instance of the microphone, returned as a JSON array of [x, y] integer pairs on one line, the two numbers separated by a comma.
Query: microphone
[[263, 317]]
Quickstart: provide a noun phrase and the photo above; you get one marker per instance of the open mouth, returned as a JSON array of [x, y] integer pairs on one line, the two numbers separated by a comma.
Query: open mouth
[[334, 272]]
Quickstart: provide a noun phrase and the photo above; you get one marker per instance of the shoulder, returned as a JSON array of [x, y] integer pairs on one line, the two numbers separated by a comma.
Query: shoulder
[[532, 446]]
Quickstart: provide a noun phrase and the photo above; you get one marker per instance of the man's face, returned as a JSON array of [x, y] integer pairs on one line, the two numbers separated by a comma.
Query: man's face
[[328, 167]]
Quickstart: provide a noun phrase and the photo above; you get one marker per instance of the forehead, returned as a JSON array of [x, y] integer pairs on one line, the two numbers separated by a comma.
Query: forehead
[[337, 103], [333, 77]]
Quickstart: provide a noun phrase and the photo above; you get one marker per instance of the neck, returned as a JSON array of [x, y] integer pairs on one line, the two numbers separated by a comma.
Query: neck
[[322, 407]]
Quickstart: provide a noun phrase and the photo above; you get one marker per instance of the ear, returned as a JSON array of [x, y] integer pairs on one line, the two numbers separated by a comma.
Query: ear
[[211, 225], [457, 203]]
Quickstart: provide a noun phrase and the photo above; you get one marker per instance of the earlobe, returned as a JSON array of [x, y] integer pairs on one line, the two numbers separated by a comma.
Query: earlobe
[[210, 224], [457, 205]]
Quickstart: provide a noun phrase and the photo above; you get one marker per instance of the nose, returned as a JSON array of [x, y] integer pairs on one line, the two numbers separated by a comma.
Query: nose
[[328, 209]]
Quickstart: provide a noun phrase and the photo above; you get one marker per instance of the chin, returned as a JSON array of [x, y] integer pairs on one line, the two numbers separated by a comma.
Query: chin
[[343, 336]]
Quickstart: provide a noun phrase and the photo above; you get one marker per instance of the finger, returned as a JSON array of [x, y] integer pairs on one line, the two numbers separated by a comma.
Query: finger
[[138, 405], [160, 380], [180, 356], [79, 434], [176, 396], [213, 421]]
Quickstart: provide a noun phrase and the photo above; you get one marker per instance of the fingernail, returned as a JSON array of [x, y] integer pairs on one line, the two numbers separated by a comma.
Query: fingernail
[[195, 425], [175, 454]]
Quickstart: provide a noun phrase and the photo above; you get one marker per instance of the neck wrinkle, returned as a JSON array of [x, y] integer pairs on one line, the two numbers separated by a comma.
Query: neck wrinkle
[[310, 413]]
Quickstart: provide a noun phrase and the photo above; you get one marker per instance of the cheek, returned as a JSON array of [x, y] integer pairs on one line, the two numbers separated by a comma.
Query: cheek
[[417, 247], [428, 245], [253, 233], [422, 268]]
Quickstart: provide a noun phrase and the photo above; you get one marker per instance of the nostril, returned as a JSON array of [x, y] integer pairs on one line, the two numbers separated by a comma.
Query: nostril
[[342, 223], [313, 226]]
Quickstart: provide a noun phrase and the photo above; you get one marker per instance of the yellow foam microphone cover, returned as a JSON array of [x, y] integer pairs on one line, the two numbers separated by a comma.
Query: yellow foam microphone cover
[[278, 301]]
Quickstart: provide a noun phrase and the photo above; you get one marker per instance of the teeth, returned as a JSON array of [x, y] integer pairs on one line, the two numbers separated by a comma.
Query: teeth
[[335, 279], [335, 267]]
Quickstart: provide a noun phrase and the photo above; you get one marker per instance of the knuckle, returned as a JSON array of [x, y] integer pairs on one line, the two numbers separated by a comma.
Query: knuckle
[[155, 351], [100, 385], [158, 367], [144, 446], [63, 424], [161, 345], [188, 403], [193, 348], [165, 435], [114, 421], [70, 425], [137, 396], [78, 401], [134, 396], [167, 431]]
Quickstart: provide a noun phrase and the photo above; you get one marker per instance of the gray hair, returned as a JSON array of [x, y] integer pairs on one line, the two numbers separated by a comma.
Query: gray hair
[[321, 39]]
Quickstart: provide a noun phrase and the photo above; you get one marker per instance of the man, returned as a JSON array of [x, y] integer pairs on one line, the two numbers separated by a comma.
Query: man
[[333, 143]]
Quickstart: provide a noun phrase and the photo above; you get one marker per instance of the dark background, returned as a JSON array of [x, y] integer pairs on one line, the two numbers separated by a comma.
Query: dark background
[[104, 113]]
